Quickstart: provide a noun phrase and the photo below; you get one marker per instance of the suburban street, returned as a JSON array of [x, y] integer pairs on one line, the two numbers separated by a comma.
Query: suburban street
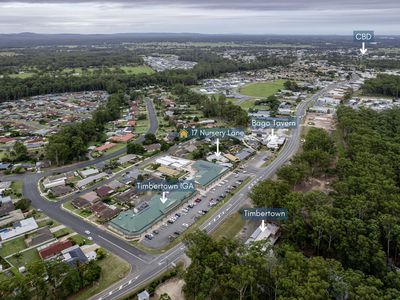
[[146, 266], [165, 260]]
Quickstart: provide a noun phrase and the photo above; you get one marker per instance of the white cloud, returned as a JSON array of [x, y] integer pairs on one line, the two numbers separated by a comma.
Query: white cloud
[[185, 16]]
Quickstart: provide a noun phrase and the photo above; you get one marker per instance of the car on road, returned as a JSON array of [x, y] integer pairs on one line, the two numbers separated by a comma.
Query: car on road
[[177, 233], [149, 236], [156, 232], [90, 238], [87, 231], [185, 225]]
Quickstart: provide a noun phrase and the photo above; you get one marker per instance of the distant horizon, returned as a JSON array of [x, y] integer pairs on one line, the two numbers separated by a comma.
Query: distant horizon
[[190, 33]]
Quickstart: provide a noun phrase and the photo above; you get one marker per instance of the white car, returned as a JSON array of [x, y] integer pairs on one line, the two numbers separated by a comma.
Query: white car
[[90, 238], [87, 231]]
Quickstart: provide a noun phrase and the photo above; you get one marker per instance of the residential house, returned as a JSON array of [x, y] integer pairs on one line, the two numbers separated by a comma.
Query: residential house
[[54, 249], [19, 228], [104, 191]]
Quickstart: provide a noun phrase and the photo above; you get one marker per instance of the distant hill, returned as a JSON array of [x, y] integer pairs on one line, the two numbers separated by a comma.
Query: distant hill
[[28, 39]]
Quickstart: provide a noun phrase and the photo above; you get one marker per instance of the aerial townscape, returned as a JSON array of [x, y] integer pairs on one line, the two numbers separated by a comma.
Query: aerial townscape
[[256, 159]]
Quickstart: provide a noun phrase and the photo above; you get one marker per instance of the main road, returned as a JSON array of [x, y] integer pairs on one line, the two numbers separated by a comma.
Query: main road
[[145, 266], [161, 262]]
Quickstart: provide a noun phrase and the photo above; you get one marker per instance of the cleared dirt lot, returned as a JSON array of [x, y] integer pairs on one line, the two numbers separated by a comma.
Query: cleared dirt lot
[[324, 121], [172, 287]]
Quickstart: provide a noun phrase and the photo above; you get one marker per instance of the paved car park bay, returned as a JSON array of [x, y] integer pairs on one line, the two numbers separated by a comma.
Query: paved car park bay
[[164, 232]]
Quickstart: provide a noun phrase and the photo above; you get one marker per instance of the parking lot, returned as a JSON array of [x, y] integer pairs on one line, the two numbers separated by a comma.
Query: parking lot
[[182, 218]]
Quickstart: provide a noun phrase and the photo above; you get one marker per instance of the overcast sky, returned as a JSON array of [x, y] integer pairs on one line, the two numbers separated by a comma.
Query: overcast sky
[[201, 16]]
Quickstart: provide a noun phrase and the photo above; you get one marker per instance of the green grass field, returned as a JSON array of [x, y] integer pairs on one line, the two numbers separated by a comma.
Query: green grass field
[[229, 228], [22, 75], [247, 104], [13, 246], [138, 70], [262, 89], [142, 126], [27, 257]]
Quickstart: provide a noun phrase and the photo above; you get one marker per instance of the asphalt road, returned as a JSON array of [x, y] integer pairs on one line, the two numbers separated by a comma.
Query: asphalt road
[[164, 261], [105, 239], [145, 266]]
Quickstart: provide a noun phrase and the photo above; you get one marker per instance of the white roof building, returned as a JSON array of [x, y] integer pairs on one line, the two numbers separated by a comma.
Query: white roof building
[[53, 182], [88, 172], [173, 162], [88, 180], [271, 233], [19, 228]]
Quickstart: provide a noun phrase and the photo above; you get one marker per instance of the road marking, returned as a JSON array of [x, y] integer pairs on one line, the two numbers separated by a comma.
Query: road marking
[[122, 249]]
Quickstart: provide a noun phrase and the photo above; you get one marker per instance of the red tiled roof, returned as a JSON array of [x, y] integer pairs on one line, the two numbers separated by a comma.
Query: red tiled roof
[[98, 207], [54, 249], [103, 191], [6, 139], [105, 147], [123, 138]]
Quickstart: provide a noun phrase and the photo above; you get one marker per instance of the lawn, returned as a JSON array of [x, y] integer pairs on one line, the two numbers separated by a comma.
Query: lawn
[[112, 269], [246, 104], [142, 126], [230, 227], [22, 75], [262, 89], [116, 148], [80, 240], [62, 232], [13, 246], [16, 186], [138, 70], [69, 206], [27, 257]]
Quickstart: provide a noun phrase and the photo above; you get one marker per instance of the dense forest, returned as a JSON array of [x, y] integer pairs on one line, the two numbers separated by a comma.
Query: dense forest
[[339, 244], [15, 88], [383, 84], [57, 59]]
